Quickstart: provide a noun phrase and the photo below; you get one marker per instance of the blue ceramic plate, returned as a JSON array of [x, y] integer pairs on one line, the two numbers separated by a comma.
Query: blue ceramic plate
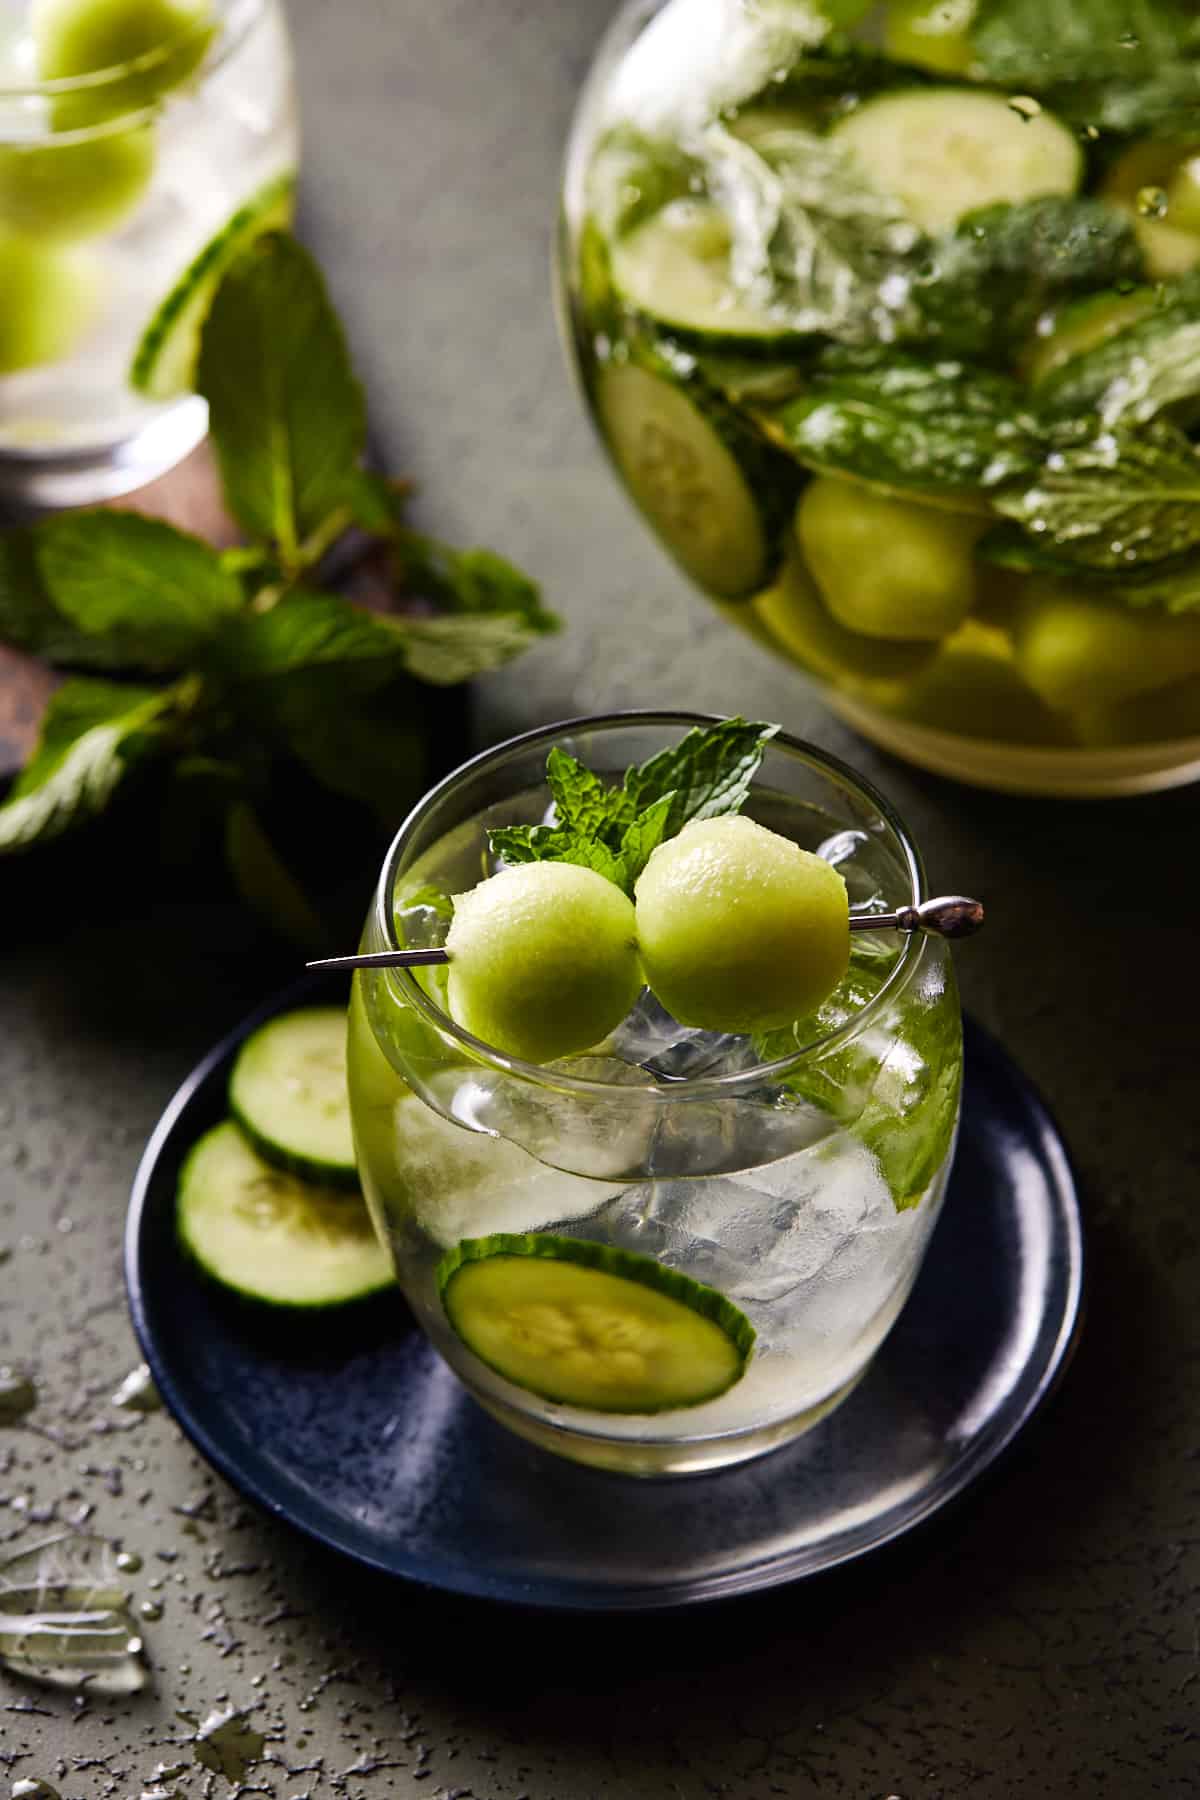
[[367, 1443]]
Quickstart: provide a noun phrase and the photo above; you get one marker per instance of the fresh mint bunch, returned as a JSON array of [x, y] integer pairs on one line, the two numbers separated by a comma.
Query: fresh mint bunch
[[217, 670], [615, 829]]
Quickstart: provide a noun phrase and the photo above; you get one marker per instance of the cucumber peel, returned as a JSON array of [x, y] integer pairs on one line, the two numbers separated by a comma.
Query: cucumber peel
[[268, 1236], [287, 1091], [164, 362], [586, 1324]]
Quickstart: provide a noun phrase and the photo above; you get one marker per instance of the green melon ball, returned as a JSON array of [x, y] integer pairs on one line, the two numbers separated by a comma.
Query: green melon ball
[[81, 37], [1081, 650], [543, 960], [47, 301], [60, 192], [740, 930], [885, 567], [800, 624], [931, 33]]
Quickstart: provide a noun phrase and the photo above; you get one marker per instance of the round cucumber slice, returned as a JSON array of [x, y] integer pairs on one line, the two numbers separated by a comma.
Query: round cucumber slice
[[675, 268], [684, 476], [584, 1324], [165, 360], [944, 152], [288, 1093], [271, 1237]]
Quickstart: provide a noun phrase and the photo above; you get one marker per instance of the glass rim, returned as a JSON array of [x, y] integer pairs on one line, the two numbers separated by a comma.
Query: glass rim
[[700, 1086], [224, 41]]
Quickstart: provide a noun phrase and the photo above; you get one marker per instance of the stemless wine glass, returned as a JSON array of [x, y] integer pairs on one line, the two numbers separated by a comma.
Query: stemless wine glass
[[797, 1174], [886, 316], [123, 191]]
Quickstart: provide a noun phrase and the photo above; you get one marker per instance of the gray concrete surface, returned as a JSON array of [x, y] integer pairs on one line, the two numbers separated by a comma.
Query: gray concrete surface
[[1039, 1641]]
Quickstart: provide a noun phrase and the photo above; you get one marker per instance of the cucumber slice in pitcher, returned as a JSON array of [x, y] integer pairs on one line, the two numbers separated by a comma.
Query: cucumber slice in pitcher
[[287, 1091], [674, 268], [164, 362], [584, 1324], [946, 151], [271, 1237], [716, 496]]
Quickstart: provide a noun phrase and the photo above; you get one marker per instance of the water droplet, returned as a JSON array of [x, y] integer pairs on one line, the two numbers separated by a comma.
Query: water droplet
[[137, 1393], [1152, 202], [29, 1788], [151, 1610], [1091, 133], [227, 1745], [64, 1618], [1025, 106], [128, 1561], [1129, 40], [18, 1395]]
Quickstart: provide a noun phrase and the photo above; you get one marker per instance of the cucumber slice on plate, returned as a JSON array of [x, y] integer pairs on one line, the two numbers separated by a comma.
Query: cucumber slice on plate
[[946, 151], [584, 1324], [287, 1091], [165, 360], [675, 268], [271, 1237], [715, 494]]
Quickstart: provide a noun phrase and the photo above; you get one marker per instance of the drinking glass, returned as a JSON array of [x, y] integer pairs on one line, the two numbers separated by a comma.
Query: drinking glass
[[799, 1173], [121, 193]]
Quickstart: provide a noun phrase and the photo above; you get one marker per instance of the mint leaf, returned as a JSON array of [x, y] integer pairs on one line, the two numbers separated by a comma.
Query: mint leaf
[[615, 830], [150, 594], [308, 630], [707, 773], [989, 279], [285, 412], [472, 582], [894, 420], [30, 621], [1150, 365], [1031, 44], [373, 752], [92, 734], [813, 242], [444, 650], [1172, 583], [1120, 499], [582, 802], [643, 835]]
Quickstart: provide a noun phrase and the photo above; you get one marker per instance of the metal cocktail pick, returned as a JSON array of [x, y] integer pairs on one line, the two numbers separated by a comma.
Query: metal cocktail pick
[[948, 916]]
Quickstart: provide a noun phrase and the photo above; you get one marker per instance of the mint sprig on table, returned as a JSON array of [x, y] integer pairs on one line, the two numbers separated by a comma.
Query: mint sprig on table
[[614, 830], [219, 668]]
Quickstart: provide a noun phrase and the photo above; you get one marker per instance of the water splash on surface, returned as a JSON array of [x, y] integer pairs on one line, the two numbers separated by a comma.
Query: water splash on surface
[[137, 1393], [18, 1395], [65, 1620]]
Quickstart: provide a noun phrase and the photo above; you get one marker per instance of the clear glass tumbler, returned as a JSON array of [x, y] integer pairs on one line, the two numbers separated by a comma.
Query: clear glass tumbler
[[121, 191], [798, 1173]]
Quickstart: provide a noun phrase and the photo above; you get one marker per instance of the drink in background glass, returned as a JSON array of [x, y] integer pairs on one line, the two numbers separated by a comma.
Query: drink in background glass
[[122, 190], [799, 1173], [886, 315]]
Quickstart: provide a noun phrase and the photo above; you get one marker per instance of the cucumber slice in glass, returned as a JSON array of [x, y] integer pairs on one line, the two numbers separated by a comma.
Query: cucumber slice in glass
[[946, 151], [287, 1091], [271, 1237], [675, 268], [693, 473], [165, 360], [584, 1324]]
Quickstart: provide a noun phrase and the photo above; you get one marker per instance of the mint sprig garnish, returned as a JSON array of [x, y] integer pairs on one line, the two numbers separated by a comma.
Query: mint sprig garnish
[[224, 669], [615, 829]]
